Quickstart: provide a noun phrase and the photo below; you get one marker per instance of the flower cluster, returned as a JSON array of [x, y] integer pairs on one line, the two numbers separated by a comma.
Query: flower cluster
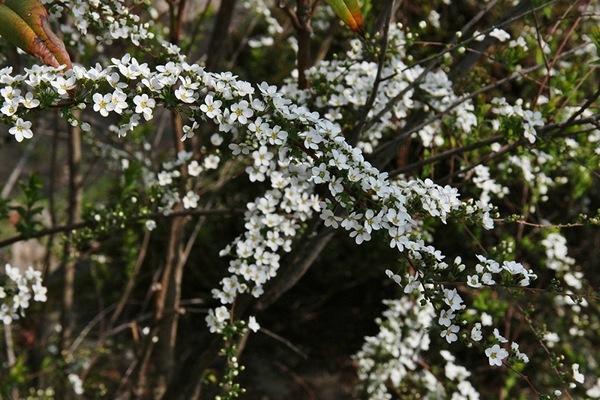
[[340, 89], [259, 7], [17, 292], [100, 22], [530, 119], [307, 168], [486, 269], [488, 186], [290, 147], [400, 352]]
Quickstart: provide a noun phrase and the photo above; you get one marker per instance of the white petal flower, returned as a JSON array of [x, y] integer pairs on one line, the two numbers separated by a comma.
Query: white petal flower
[[21, 130], [500, 34], [252, 324], [495, 355]]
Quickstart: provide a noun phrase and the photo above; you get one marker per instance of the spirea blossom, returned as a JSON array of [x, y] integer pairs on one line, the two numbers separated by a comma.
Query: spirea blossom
[[17, 292], [496, 355], [21, 130], [308, 168]]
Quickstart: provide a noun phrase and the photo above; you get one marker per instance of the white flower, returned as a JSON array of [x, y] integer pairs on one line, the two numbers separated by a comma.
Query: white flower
[[456, 372], [6, 315], [240, 112], [10, 107], [39, 292], [312, 140], [395, 277], [320, 174], [476, 332], [21, 130], [262, 156], [243, 88], [144, 105], [29, 102], [215, 324], [495, 355], [184, 94], [216, 139], [194, 169], [150, 225], [500, 34], [211, 107], [399, 240], [77, 383], [10, 93], [222, 314], [486, 319], [594, 391], [63, 85], [520, 42], [529, 133], [450, 333], [521, 356], [277, 136], [453, 299], [211, 161], [446, 317], [21, 300], [413, 284], [103, 104], [252, 324], [533, 118], [360, 234], [499, 337], [514, 268], [119, 100], [189, 131], [330, 219], [473, 281], [190, 200], [577, 376], [487, 279], [12, 273], [165, 178]]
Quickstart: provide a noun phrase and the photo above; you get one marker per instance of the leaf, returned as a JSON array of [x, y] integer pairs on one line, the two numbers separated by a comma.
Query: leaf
[[355, 10], [350, 13], [24, 23], [595, 37]]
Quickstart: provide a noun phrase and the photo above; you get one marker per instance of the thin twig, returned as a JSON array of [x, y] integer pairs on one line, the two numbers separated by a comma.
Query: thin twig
[[357, 130], [286, 342], [129, 221], [132, 279], [509, 147], [558, 52]]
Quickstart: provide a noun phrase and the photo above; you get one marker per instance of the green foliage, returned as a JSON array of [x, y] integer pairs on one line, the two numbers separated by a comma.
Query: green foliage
[[4, 209], [28, 223], [230, 388]]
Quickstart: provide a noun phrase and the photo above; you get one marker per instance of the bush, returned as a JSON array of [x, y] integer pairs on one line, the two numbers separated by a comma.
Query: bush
[[197, 168]]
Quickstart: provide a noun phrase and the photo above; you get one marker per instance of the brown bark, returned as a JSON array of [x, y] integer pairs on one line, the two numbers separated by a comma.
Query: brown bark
[[218, 40]]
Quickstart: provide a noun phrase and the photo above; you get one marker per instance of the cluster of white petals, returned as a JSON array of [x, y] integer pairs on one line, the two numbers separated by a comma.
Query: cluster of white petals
[[17, 292], [294, 143], [260, 124], [396, 356]]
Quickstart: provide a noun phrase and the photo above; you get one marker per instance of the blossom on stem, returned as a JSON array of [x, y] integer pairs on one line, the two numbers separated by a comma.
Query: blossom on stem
[[21, 130], [495, 355], [103, 104], [144, 105]]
